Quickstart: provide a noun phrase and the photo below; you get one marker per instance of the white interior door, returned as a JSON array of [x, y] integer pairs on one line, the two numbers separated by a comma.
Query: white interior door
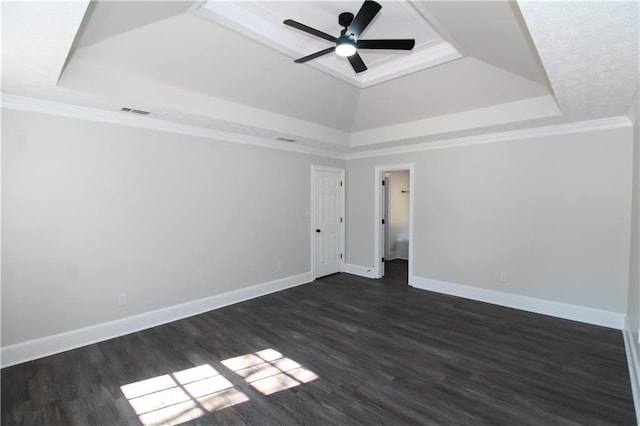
[[328, 224]]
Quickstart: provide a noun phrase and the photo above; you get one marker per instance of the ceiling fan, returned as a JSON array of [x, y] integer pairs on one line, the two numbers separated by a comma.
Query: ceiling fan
[[349, 41]]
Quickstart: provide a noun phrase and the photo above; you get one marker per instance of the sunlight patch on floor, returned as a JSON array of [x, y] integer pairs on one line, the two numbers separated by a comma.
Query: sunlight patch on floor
[[268, 371], [178, 397], [185, 395]]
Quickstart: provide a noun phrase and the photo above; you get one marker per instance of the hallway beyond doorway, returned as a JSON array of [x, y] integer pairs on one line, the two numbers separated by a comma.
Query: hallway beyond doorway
[[396, 273]]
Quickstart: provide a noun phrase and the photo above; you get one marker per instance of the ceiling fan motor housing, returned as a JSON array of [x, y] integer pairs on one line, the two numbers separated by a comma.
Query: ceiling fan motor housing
[[345, 19], [349, 41]]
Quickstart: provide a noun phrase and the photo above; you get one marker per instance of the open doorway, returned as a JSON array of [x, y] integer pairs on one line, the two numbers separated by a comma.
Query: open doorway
[[396, 226], [394, 223]]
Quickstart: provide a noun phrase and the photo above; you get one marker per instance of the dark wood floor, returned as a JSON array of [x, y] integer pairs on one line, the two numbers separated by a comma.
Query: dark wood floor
[[341, 350], [396, 273]]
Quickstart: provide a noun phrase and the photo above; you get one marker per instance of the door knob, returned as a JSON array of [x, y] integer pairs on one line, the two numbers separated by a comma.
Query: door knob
[[317, 230]]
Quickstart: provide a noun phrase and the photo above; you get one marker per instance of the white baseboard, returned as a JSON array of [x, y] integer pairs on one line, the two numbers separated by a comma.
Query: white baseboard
[[525, 303], [38, 348], [363, 271], [634, 366]]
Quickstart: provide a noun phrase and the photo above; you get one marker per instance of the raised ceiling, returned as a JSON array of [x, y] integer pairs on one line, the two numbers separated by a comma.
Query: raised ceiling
[[262, 21], [506, 66]]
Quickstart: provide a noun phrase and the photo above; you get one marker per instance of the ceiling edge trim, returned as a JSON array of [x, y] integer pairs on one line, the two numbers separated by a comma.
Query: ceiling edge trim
[[509, 112], [28, 104], [513, 135], [262, 31]]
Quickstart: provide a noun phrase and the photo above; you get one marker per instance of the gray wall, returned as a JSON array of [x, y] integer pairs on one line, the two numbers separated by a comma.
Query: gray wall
[[91, 210], [553, 212], [633, 302]]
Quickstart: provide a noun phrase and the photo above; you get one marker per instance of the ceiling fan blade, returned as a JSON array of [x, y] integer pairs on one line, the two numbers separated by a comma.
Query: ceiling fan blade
[[306, 29], [315, 55], [398, 44], [365, 15], [357, 63]]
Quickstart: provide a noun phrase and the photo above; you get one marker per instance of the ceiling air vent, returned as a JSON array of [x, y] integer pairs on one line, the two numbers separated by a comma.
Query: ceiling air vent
[[285, 139], [135, 111]]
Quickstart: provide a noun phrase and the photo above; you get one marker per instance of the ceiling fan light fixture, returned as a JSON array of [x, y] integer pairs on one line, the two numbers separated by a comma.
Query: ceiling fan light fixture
[[345, 49], [349, 42]]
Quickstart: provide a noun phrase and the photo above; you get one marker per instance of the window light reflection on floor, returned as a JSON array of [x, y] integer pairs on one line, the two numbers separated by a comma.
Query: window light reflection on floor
[[182, 396], [185, 395], [268, 371]]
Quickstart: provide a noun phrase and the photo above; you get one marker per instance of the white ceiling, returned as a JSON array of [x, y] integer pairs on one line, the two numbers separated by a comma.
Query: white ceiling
[[522, 65], [263, 22]]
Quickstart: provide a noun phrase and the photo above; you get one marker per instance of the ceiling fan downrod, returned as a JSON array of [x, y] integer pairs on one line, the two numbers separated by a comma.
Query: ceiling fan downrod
[[349, 42]]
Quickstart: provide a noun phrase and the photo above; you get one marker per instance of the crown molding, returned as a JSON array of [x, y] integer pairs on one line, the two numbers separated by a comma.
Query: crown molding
[[439, 54], [92, 114], [257, 26], [513, 135], [501, 114]]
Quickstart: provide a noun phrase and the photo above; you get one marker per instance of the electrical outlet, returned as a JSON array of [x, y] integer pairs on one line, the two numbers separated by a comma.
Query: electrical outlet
[[122, 299], [504, 277], [278, 265]]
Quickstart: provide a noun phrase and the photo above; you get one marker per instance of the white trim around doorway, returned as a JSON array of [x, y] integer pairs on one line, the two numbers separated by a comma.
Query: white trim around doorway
[[378, 177]]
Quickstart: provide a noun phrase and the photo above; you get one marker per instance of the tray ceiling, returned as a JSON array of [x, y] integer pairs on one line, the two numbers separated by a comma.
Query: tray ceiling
[[521, 65], [262, 21]]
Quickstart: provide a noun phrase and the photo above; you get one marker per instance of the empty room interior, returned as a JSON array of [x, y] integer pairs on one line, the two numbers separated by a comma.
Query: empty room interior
[[320, 212]]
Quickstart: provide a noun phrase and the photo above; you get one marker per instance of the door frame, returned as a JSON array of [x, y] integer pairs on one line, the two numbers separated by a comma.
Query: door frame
[[385, 247], [379, 172], [312, 210]]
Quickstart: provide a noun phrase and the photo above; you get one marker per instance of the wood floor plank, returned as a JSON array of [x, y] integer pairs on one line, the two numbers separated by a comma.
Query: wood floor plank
[[371, 352]]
